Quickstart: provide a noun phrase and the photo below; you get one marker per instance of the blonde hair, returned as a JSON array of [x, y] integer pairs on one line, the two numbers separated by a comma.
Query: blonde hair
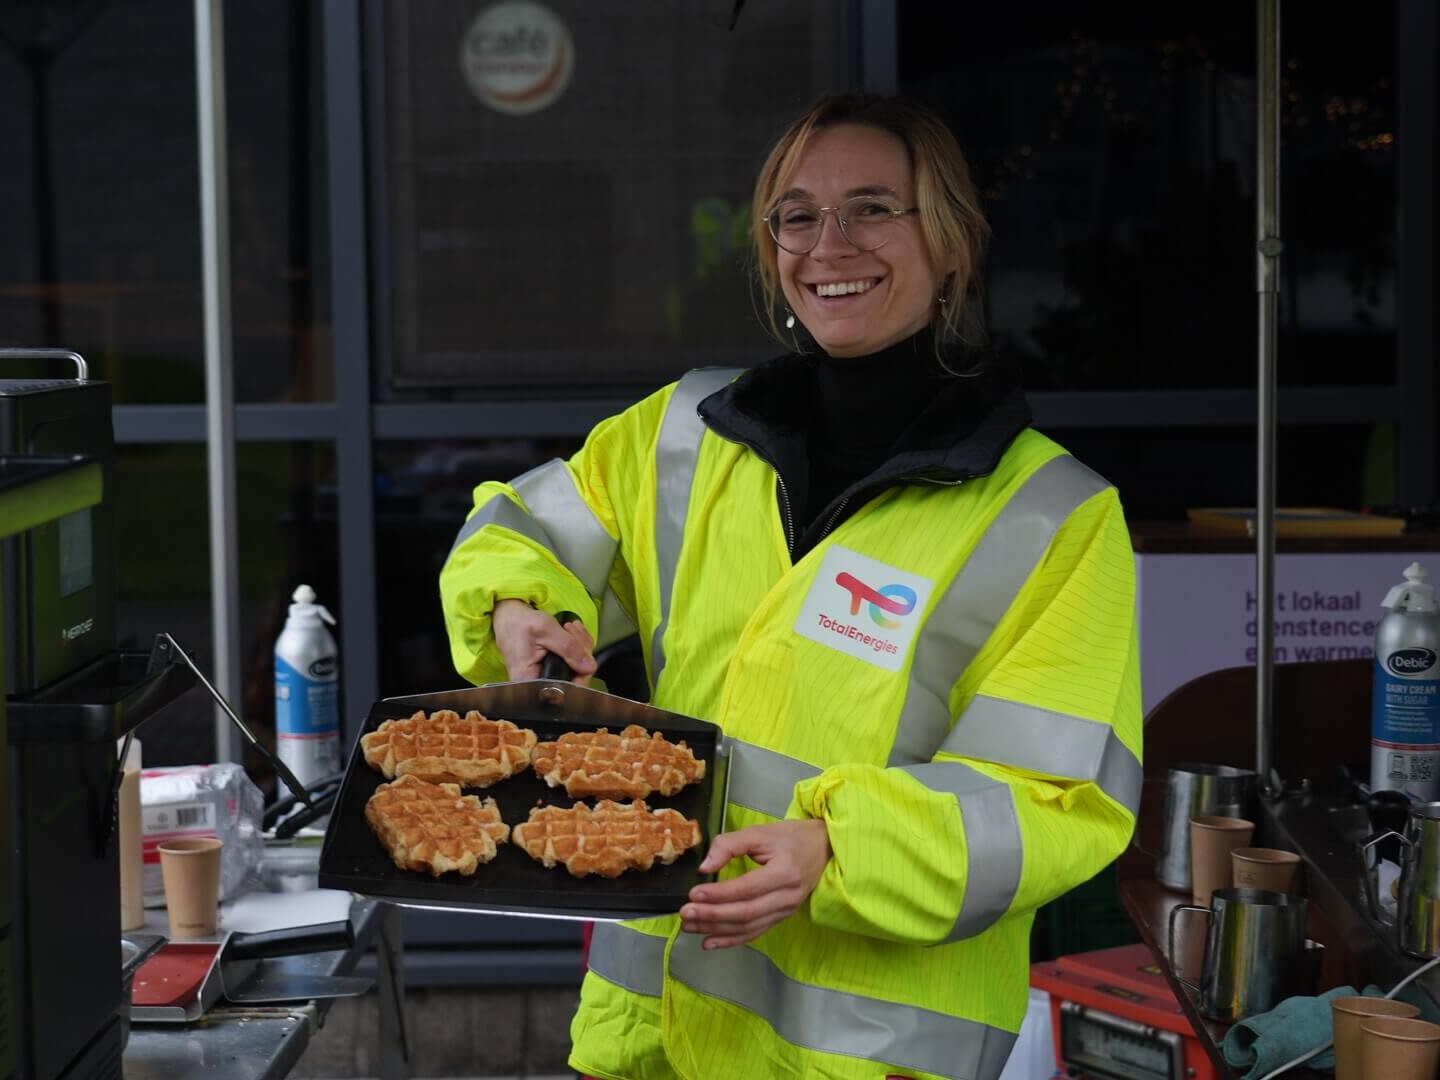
[[951, 221]]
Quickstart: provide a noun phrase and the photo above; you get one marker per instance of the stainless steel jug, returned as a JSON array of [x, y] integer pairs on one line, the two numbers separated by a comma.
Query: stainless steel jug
[[1418, 906], [1256, 954], [1194, 789]]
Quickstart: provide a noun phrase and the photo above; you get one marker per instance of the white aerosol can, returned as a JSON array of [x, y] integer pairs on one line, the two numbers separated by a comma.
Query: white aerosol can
[[1405, 710], [307, 674]]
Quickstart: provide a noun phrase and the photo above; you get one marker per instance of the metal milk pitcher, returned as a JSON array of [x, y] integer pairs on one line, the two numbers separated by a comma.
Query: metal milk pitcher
[[1195, 789], [1256, 953], [1418, 909]]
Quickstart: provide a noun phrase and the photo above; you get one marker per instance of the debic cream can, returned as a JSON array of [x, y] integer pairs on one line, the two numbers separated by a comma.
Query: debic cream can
[[1405, 710]]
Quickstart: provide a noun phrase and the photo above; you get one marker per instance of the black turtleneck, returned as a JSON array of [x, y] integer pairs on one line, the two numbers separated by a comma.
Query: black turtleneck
[[838, 431], [863, 404]]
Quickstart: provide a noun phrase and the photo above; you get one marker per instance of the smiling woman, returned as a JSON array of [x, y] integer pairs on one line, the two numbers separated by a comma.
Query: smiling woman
[[921, 646], [896, 180]]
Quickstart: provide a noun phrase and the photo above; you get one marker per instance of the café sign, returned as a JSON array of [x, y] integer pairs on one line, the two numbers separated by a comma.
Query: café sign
[[517, 57]]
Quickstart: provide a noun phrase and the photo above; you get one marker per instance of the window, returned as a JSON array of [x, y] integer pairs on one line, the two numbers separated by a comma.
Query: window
[[599, 241]]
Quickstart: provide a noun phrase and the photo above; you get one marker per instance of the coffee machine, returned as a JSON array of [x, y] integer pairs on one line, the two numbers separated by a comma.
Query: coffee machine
[[66, 695]]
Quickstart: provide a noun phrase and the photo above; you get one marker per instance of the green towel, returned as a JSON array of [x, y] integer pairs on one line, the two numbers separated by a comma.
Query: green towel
[[1262, 1043]]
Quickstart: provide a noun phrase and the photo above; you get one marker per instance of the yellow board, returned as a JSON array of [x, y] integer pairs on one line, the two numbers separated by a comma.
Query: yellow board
[[1295, 521]]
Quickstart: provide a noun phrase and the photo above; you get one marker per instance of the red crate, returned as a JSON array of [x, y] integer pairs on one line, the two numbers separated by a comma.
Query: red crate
[[1124, 990]]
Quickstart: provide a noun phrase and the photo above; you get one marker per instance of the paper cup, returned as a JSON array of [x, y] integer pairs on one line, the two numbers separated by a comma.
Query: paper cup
[[1398, 1048], [1265, 868], [1349, 1013], [1212, 839], [191, 870]]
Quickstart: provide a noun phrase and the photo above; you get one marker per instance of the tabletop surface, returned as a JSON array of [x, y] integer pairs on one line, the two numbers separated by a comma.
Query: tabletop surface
[[245, 1042]]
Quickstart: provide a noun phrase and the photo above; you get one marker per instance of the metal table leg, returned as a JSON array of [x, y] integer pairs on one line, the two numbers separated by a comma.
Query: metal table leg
[[390, 989]]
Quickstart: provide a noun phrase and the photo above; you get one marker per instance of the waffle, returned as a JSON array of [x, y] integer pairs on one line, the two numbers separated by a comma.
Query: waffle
[[443, 748], [433, 827], [632, 765], [607, 839]]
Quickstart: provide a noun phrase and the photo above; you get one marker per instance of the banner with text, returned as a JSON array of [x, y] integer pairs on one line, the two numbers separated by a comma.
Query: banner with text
[[1198, 612]]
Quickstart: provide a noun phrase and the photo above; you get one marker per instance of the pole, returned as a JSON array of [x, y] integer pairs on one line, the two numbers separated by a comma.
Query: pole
[[1267, 280], [219, 364]]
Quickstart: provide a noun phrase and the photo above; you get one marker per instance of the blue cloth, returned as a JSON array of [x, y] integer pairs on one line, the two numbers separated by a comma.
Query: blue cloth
[[1262, 1043]]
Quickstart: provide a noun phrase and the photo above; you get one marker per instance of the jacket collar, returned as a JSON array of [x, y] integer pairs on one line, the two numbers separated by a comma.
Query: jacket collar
[[960, 435]]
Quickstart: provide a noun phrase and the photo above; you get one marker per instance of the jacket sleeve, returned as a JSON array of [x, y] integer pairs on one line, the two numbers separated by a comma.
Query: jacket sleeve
[[1036, 787], [560, 537]]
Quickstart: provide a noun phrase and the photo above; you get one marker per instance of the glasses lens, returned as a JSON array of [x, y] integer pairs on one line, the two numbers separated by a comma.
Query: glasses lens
[[868, 221], [795, 225]]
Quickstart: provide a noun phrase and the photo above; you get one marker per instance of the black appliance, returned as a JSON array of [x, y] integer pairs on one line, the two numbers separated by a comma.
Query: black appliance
[[74, 695], [60, 587]]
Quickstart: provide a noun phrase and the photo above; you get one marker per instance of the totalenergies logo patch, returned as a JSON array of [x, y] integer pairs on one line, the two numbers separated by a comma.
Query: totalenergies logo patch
[[882, 633], [894, 598]]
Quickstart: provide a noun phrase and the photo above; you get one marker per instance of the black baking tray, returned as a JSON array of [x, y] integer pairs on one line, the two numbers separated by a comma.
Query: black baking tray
[[513, 883]]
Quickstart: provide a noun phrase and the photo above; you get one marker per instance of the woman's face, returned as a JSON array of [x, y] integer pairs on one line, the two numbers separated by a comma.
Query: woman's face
[[883, 296]]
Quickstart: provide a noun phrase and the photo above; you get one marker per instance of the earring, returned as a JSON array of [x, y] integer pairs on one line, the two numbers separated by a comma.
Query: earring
[[789, 319], [943, 298]]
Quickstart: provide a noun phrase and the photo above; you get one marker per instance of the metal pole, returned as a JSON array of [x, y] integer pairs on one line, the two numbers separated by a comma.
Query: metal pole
[[219, 364], [1267, 279], [342, 49], [1415, 174]]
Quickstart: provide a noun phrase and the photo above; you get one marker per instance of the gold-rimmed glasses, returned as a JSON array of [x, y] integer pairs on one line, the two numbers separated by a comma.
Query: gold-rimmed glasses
[[866, 221]]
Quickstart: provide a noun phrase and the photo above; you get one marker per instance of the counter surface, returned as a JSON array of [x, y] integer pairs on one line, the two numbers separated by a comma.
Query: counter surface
[[249, 1042], [1359, 948]]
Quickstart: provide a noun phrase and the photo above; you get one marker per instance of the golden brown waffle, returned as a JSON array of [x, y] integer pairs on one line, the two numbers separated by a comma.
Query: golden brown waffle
[[606, 839], [433, 827], [445, 748], [632, 765]]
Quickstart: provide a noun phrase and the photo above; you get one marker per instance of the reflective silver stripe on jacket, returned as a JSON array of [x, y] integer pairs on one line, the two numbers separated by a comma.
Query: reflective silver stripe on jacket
[[980, 595], [764, 780], [996, 850], [563, 523], [677, 451], [503, 512], [838, 1022], [1042, 741], [628, 958], [581, 542]]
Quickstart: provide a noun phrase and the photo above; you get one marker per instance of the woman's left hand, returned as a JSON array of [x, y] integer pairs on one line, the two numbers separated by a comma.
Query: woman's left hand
[[792, 856]]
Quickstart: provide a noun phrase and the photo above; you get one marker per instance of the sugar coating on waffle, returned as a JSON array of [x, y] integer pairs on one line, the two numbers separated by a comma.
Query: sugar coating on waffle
[[606, 839], [631, 765], [446, 748], [435, 828]]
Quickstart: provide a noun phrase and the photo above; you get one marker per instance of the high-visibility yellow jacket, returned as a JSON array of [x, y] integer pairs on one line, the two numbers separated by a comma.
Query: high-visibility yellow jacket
[[949, 679]]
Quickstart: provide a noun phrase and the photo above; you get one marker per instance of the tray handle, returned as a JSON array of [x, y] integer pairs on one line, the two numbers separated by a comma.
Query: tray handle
[[554, 665]]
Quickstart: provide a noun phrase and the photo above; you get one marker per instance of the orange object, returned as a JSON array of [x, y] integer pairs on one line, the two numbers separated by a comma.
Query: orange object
[[174, 976], [1101, 1002]]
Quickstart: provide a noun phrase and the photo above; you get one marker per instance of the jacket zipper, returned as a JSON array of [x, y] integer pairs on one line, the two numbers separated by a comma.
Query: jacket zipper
[[787, 516], [834, 516]]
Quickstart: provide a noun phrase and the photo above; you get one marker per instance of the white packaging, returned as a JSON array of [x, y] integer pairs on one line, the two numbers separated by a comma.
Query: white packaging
[[203, 800]]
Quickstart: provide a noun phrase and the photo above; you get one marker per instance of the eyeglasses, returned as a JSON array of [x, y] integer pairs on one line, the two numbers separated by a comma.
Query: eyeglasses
[[866, 221]]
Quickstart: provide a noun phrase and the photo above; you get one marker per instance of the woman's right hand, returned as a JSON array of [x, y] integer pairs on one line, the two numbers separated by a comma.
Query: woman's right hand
[[525, 636]]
